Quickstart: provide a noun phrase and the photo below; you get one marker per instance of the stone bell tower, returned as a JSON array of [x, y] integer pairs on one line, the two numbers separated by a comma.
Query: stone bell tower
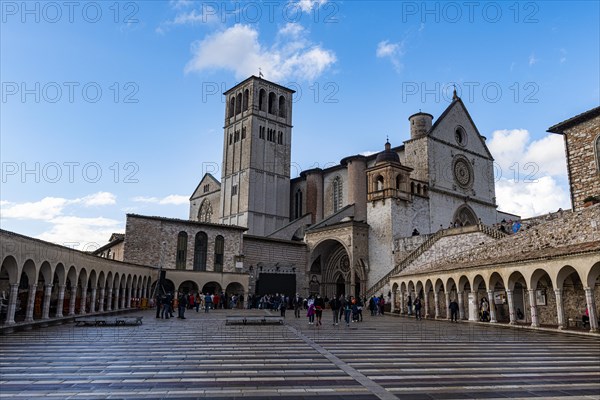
[[255, 179]]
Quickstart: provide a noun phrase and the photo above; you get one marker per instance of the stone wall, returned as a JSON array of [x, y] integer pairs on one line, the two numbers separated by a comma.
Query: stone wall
[[276, 256], [146, 237], [583, 170]]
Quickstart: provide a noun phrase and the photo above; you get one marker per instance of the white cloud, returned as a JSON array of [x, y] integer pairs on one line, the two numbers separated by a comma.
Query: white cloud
[[99, 199], [392, 51], [45, 209], [368, 153], [178, 4], [529, 173], [170, 199], [81, 233], [238, 49], [532, 198], [308, 5], [532, 60]]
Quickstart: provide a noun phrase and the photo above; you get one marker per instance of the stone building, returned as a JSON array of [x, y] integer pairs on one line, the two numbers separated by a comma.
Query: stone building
[[350, 214], [582, 147]]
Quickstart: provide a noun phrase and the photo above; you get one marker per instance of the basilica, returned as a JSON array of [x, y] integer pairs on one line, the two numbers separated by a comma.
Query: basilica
[[417, 219]]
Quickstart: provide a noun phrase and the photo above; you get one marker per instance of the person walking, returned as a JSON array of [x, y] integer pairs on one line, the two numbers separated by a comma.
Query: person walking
[[311, 311], [410, 305], [297, 305], [207, 302], [335, 308], [417, 305], [347, 311], [319, 307], [453, 311], [182, 305]]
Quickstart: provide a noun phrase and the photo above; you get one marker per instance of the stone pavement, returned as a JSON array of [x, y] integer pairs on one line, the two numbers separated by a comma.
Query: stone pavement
[[380, 358]]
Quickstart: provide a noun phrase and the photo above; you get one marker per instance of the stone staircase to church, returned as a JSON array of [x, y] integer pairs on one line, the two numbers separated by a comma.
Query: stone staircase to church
[[426, 245]]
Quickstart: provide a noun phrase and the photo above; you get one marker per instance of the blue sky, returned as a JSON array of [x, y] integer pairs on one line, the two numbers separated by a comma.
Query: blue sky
[[131, 91]]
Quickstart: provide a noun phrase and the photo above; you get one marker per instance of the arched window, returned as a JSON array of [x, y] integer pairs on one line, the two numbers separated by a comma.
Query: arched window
[[246, 99], [272, 103], [205, 212], [238, 104], [412, 187], [219, 250], [337, 194], [200, 250], [282, 110], [231, 106], [181, 250], [398, 181], [465, 216], [298, 204], [598, 153], [262, 99], [379, 183], [280, 137]]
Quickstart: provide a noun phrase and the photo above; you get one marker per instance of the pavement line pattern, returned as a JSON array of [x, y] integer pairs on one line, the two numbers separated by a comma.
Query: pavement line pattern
[[375, 388]]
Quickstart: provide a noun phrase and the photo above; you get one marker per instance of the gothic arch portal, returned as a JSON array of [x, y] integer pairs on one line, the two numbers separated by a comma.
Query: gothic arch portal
[[465, 215]]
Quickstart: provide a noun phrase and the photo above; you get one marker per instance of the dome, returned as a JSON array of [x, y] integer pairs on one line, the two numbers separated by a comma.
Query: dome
[[387, 155]]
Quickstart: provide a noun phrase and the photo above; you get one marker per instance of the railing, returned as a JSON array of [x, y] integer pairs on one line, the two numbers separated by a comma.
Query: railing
[[426, 245]]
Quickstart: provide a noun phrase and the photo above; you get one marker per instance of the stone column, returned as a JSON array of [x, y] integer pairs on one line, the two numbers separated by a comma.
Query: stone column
[[472, 306], [129, 296], [426, 303], [402, 306], [393, 305], [560, 311], [492, 304], [143, 292], [447, 305], [12, 303], [72, 300], [436, 304], [30, 303], [461, 305], [102, 298], [60, 301], [123, 298], [83, 302], [109, 299], [116, 299], [47, 296], [533, 308], [511, 307], [591, 306], [93, 300]]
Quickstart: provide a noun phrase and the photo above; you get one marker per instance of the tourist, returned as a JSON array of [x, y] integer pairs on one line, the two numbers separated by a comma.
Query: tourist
[[311, 311], [381, 305], [334, 304], [415, 232], [453, 311], [585, 318], [207, 302], [347, 310], [297, 305], [410, 305], [183, 302], [484, 308], [417, 305], [166, 306], [319, 306]]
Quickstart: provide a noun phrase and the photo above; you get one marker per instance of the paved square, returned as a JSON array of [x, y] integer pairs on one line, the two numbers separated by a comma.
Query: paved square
[[382, 357]]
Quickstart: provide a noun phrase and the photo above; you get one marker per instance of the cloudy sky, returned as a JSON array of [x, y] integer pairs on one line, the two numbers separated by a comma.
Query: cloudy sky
[[109, 108]]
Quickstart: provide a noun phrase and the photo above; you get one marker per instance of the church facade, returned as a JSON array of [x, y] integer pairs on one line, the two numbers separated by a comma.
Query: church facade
[[352, 217]]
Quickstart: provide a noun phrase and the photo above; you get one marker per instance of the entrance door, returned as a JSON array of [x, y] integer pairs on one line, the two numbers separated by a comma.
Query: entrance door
[[340, 286]]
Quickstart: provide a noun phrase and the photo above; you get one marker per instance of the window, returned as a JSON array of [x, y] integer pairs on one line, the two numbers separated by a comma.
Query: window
[[460, 136], [280, 137], [238, 104], [230, 138], [337, 194], [236, 137], [262, 100], [200, 250], [282, 110], [243, 132], [219, 250], [231, 107], [206, 188], [598, 153], [246, 99], [272, 103], [234, 190], [379, 183], [205, 212], [261, 132], [181, 250], [298, 204]]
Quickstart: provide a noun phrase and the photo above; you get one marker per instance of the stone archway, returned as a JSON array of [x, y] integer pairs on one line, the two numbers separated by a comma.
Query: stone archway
[[464, 216]]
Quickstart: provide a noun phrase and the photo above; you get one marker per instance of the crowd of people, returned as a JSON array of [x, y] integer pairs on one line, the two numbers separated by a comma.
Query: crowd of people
[[168, 302]]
